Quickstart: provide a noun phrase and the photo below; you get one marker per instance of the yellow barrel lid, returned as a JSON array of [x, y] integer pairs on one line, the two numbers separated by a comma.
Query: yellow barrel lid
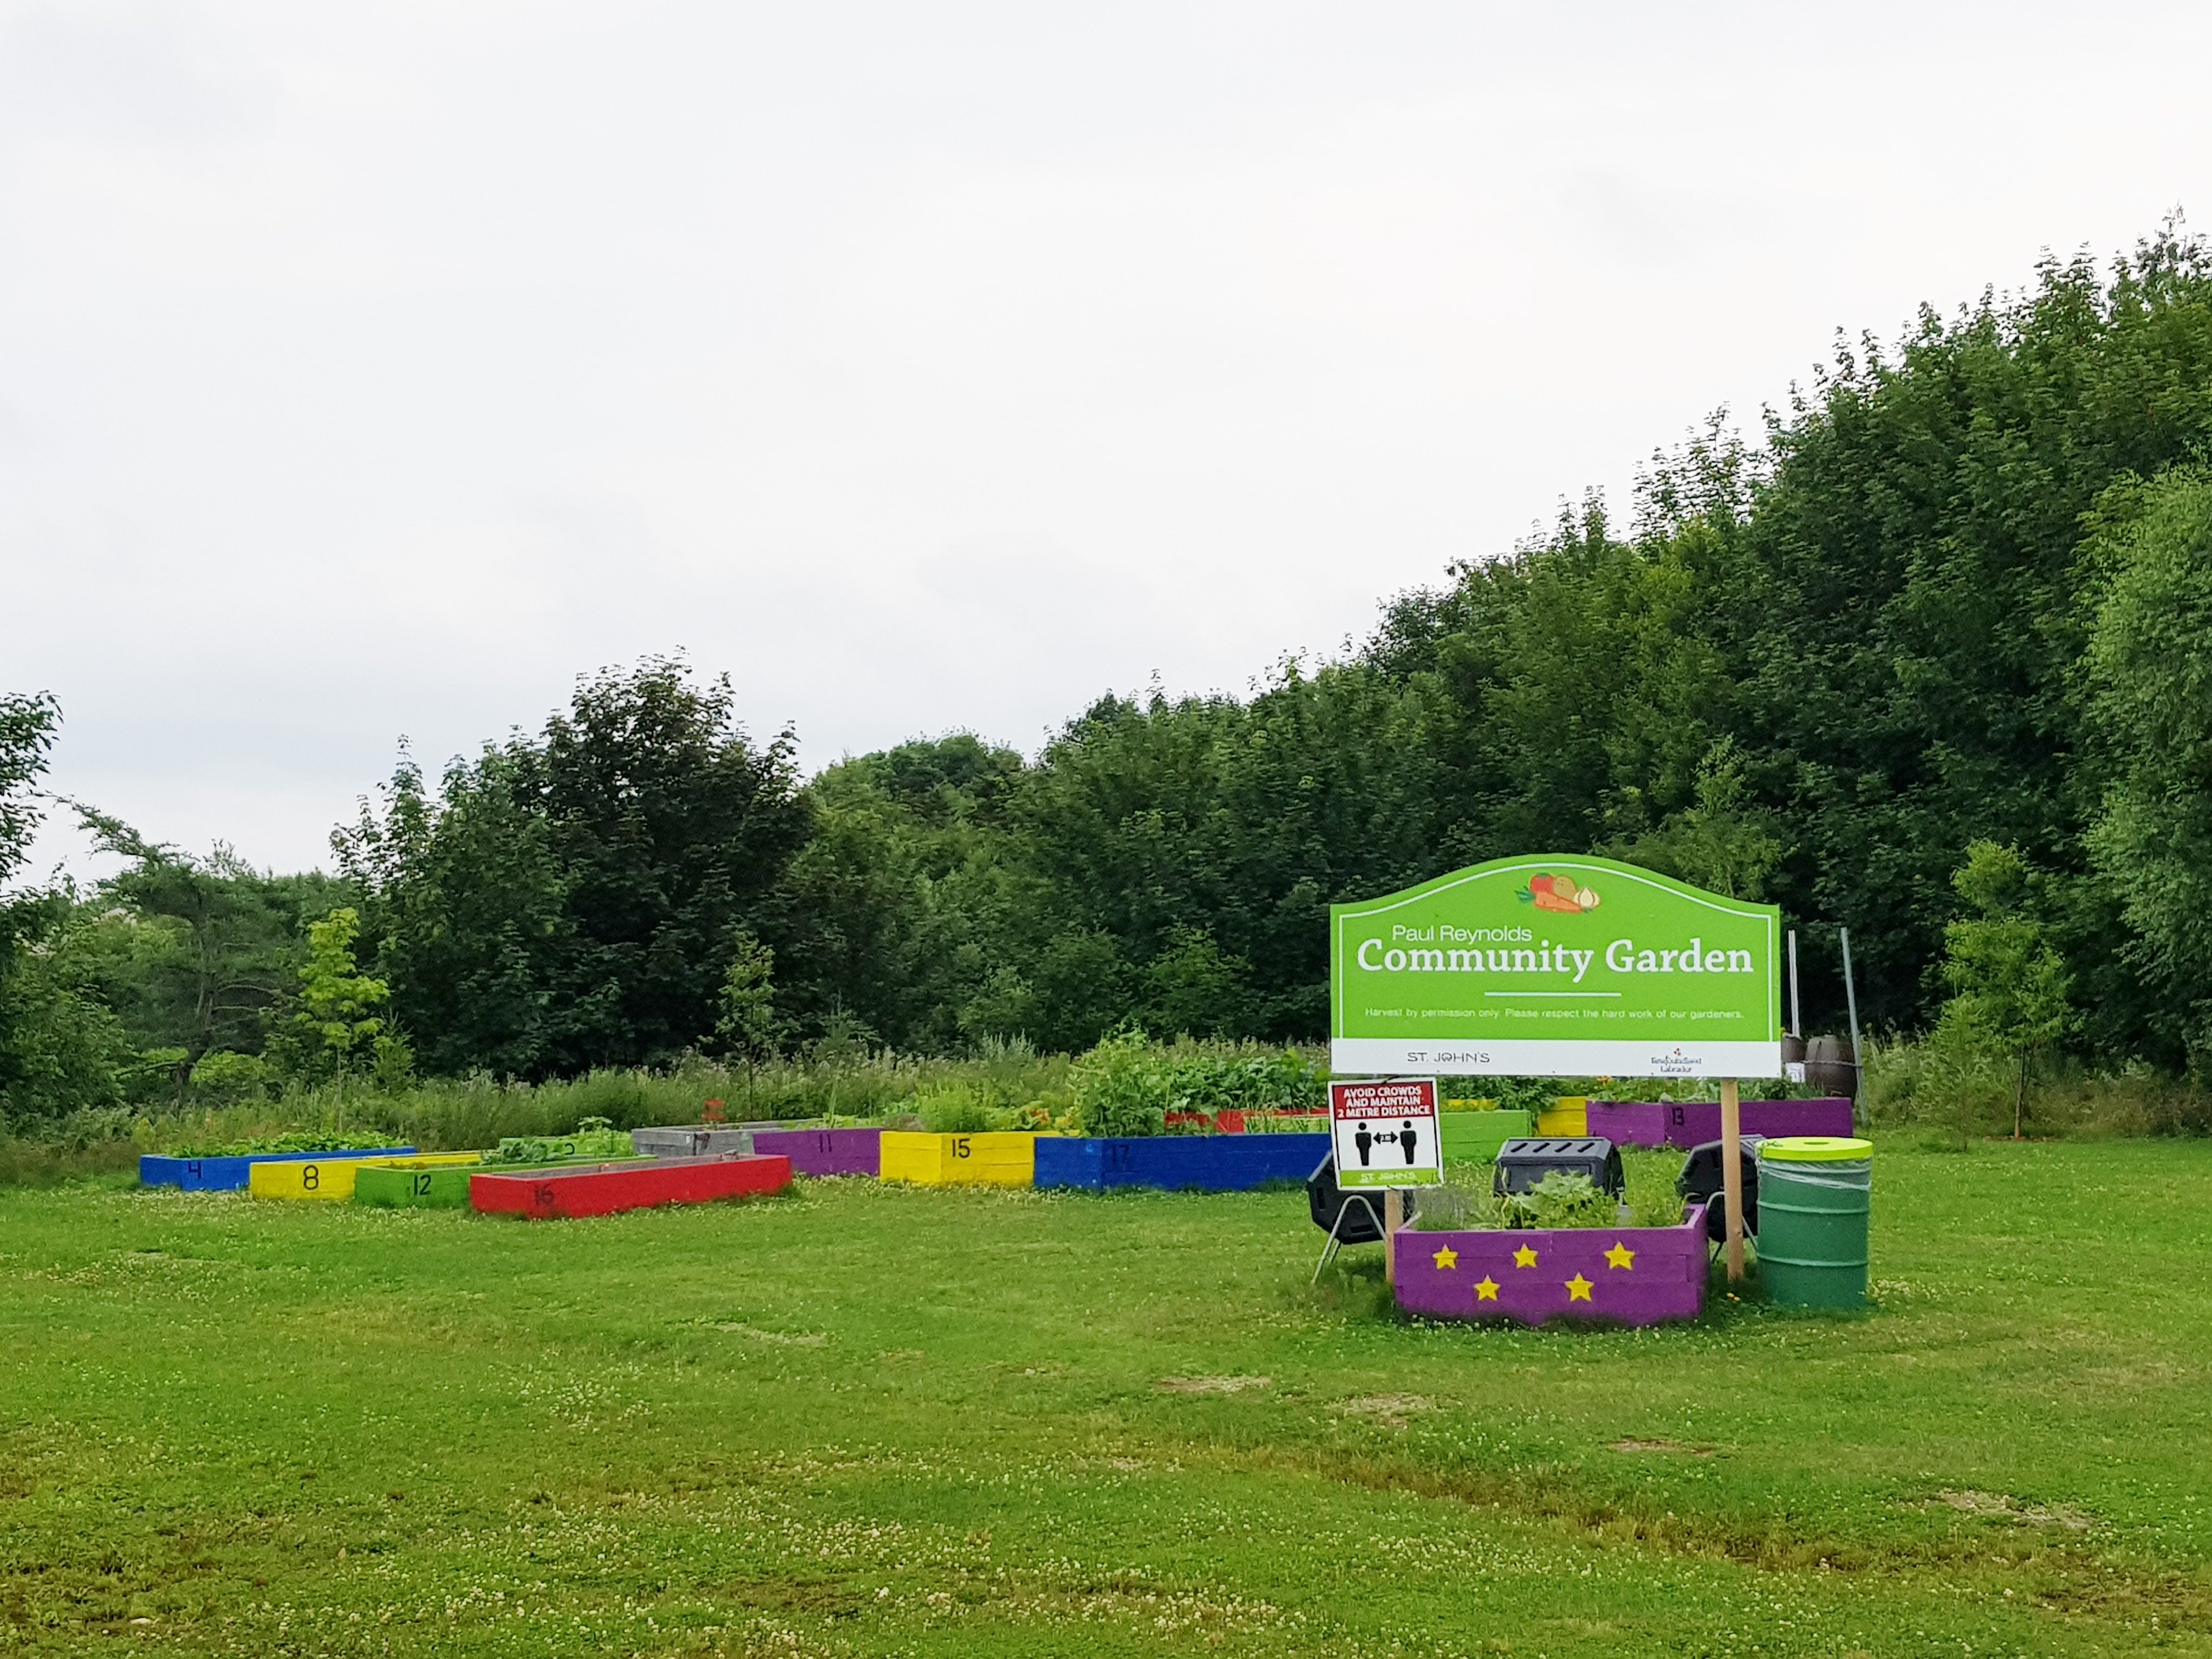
[[1815, 1149]]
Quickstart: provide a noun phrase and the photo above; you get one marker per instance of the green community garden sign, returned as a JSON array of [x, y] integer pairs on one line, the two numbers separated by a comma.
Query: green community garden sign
[[1560, 967]]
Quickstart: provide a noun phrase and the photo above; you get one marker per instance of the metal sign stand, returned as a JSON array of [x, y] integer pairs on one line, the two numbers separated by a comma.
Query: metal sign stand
[[1851, 996], [1329, 1248]]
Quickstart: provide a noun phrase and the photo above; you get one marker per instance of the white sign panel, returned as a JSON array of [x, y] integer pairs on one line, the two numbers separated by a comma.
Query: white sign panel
[[1386, 1133]]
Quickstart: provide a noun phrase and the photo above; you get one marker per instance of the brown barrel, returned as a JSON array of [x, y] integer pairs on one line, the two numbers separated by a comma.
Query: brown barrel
[[1828, 1068]]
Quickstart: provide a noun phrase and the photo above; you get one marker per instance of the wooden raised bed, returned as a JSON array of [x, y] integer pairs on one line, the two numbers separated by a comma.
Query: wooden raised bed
[[1569, 1114], [824, 1152], [230, 1174], [1213, 1163], [332, 1180], [1621, 1275], [1688, 1123], [397, 1186], [609, 1188], [692, 1140], [996, 1158]]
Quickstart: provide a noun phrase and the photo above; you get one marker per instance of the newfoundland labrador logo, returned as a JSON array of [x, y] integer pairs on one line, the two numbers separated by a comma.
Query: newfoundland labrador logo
[[1558, 893]]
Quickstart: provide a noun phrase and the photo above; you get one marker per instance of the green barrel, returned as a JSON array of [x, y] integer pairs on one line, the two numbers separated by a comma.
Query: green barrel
[[1815, 1195], [437, 1187]]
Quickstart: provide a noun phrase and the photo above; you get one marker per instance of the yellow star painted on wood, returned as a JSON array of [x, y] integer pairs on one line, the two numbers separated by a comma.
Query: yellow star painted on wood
[[1621, 1256], [1578, 1289], [1525, 1256], [1485, 1289], [1448, 1257]]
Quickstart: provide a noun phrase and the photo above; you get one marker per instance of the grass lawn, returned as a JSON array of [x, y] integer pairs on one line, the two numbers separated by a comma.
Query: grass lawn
[[867, 1420]]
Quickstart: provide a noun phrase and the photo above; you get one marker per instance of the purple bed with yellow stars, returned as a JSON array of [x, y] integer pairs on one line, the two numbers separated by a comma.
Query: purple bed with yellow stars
[[1624, 1275]]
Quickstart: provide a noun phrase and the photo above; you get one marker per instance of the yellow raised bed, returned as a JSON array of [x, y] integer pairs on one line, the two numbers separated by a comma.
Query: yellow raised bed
[[1569, 1114], [334, 1179], [1000, 1158]]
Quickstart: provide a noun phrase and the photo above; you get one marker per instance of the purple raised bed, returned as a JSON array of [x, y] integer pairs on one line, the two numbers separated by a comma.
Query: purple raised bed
[[1623, 1275], [823, 1151], [1688, 1123]]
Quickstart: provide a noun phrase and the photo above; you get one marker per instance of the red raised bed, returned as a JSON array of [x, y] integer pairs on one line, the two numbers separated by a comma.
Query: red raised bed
[[1228, 1121], [1688, 1123], [610, 1188], [1623, 1275]]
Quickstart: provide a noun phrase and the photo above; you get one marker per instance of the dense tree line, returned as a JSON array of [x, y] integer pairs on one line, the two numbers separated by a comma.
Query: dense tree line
[[1949, 617]]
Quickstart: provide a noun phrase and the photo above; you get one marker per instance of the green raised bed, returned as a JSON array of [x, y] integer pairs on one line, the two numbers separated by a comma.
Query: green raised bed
[[396, 1188], [447, 1188], [1476, 1137]]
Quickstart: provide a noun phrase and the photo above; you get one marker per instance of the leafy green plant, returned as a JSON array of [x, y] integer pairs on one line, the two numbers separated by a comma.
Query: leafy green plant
[[1122, 1087], [1564, 1199], [1559, 1199], [1451, 1207], [1284, 1123], [595, 1137], [1127, 1086], [953, 1112], [298, 1140]]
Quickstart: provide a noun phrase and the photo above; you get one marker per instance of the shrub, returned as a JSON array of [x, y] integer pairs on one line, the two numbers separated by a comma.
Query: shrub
[[295, 1140], [224, 1079], [1122, 1087], [952, 1112]]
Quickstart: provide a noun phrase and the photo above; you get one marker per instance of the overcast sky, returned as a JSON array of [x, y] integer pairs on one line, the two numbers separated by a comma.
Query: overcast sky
[[370, 371]]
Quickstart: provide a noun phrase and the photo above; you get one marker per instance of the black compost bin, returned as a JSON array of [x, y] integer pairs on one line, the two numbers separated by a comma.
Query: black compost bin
[[1363, 1221], [1521, 1164], [1700, 1183]]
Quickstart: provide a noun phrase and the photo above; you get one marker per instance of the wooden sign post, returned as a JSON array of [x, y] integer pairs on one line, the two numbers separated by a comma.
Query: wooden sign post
[[1732, 1174]]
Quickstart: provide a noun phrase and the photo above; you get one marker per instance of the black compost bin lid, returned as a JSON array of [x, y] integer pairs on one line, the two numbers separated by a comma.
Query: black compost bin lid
[[1524, 1161]]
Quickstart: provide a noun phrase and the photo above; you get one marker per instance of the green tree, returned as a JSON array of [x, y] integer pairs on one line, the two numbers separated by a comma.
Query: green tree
[[895, 910], [1913, 608], [61, 1048], [2147, 674], [195, 954], [338, 1019], [747, 1026], [29, 724], [2010, 985], [1815, 670], [571, 901], [1722, 843]]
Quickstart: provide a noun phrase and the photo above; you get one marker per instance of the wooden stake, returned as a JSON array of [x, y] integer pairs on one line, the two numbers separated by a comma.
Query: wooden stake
[[1393, 1218], [1732, 1174]]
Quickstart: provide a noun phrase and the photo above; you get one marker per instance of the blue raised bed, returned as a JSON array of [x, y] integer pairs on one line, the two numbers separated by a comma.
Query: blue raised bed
[[227, 1175], [1213, 1163]]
